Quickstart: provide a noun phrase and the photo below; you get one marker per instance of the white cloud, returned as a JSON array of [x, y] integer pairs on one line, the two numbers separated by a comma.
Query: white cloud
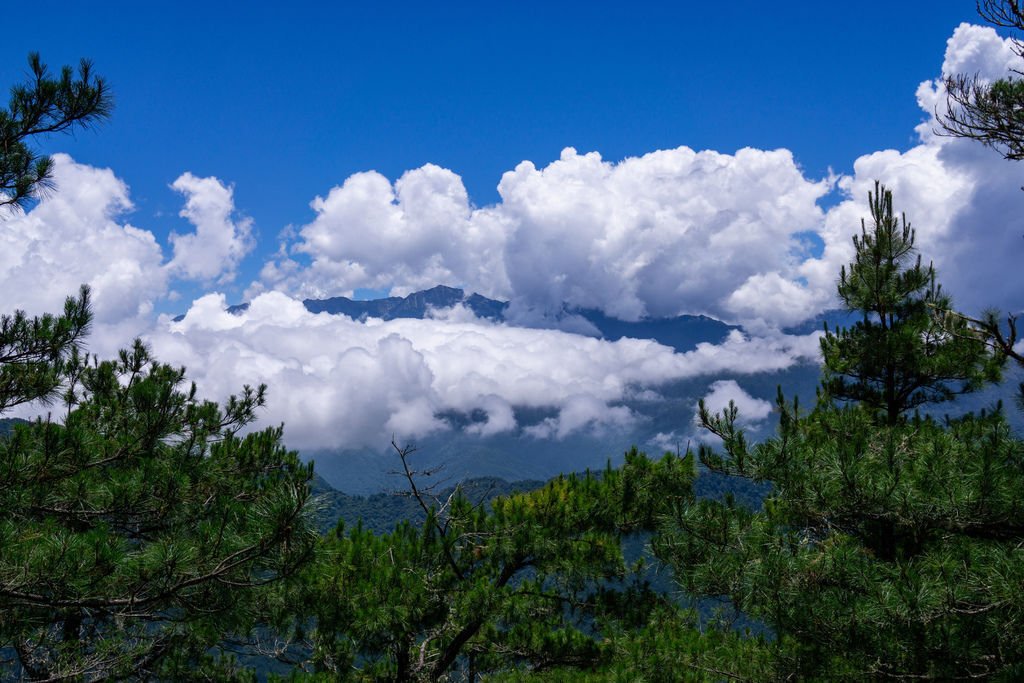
[[459, 313], [335, 381], [769, 299], [669, 442], [499, 417], [582, 411], [416, 234], [751, 410], [674, 231], [74, 236], [219, 242]]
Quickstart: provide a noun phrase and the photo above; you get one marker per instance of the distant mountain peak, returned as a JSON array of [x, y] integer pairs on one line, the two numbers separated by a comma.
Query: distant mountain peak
[[414, 305], [442, 290], [681, 332]]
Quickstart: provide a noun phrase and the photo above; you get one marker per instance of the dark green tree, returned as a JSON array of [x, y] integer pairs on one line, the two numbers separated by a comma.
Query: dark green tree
[[897, 357], [890, 547], [139, 525], [535, 583], [33, 351], [135, 532], [44, 105]]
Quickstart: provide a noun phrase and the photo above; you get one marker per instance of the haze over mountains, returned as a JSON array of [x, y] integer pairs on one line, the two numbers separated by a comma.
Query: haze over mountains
[[539, 439], [537, 446], [532, 446]]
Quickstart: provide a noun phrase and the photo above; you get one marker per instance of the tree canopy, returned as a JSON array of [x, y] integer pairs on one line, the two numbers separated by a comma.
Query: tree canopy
[[134, 531], [138, 525], [531, 582], [888, 548]]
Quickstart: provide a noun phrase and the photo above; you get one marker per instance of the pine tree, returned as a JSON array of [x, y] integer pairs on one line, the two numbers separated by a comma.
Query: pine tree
[[136, 531], [528, 583], [897, 357], [45, 105], [890, 546], [139, 526], [33, 351]]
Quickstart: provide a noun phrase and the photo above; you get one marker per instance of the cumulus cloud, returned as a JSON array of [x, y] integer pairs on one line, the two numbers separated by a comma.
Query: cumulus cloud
[[751, 410], [76, 236], [674, 231], [963, 199], [336, 381], [220, 240], [412, 235]]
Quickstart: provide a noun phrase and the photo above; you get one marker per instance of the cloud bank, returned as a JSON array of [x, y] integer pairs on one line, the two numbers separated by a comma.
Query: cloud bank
[[338, 381], [672, 232]]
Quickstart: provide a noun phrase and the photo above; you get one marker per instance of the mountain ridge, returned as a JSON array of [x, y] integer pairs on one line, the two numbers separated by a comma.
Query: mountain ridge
[[682, 332]]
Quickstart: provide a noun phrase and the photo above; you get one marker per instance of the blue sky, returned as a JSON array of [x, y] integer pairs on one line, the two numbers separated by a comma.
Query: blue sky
[[286, 102], [642, 159]]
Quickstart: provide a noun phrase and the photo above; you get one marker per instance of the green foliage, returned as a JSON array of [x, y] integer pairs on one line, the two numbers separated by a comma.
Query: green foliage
[[885, 550], [33, 350], [381, 512], [44, 105], [898, 356], [666, 647], [888, 548], [134, 534], [537, 582]]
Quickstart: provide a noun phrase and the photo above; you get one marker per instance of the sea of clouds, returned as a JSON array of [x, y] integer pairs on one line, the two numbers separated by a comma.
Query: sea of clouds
[[741, 237]]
